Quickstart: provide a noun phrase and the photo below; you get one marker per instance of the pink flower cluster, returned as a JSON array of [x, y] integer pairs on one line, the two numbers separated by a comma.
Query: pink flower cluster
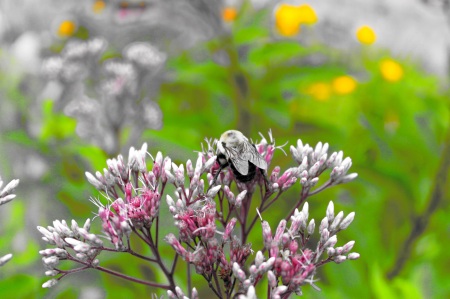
[[213, 225]]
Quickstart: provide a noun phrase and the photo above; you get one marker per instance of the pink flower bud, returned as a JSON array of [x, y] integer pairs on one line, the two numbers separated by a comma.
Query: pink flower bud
[[189, 169], [272, 279], [229, 229], [267, 235]]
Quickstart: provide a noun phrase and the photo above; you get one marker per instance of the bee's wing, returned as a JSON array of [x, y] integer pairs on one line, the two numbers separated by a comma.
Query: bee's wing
[[240, 163], [248, 153], [256, 158]]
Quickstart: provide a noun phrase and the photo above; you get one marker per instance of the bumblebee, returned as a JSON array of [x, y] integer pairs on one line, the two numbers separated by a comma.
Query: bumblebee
[[236, 151]]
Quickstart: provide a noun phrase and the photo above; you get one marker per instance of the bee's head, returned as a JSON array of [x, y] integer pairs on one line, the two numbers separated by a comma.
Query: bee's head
[[230, 139]]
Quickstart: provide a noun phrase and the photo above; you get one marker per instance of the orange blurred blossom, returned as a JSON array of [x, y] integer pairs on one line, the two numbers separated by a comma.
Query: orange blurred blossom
[[66, 28], [229, 14], [98, 6]]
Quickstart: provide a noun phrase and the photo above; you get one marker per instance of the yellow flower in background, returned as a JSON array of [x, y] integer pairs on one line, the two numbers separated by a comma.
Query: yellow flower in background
[[307, 14], [344, 85], [366, 35], [391, 70], [288, 18], [67, 28], [320, 91], [229, 14], [98, 6]]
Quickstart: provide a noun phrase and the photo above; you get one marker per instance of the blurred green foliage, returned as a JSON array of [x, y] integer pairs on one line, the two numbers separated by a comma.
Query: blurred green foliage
[[252, 80]]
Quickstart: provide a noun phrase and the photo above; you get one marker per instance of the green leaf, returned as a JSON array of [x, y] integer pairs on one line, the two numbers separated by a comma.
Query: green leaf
[[249, 35], [56, 126]]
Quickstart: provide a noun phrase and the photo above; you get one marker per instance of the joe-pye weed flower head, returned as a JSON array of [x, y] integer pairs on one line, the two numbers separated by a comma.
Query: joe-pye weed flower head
[[213, 220]]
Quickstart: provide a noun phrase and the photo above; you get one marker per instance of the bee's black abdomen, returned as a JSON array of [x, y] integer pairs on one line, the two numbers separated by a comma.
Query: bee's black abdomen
[[244, 178], [223, 162]]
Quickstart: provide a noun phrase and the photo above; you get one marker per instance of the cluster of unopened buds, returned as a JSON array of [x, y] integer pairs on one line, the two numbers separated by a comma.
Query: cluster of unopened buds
[[213, 220], [6, 195]]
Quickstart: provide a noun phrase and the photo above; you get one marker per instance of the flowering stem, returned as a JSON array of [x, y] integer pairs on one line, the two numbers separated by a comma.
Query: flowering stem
[[67, 272], [286, 295], [128, 250], [261, 209], [157, 232], [208, 279], [132, 252], [133, 279], [303, 197], [321, 188], [143, 237], [174, 264], [421, 221], [323, 262], [169, 275], [219, 289], [114, 273], [244, 215], [189, 279], [270, 203]]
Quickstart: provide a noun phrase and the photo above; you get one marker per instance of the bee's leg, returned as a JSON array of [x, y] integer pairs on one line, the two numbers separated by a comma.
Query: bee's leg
[[266, 180], [216, 176]]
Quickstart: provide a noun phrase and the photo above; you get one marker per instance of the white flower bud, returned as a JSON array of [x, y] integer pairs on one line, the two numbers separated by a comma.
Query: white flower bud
[[311, 227], [87, 225], [51, 273], [7, 198], [240, 198], [272, 279], [330, 211], [353, 256], [337, 220], [180, 293], [323, 224], [95, 263], [348, 178], [237, 271], [189, 169], [93, 181], [4, 259], [318, 149], [331, 241], [49, 283], [198, 166], [50, 262], [331, 251], [340, 259], [45, 232], [213, 191], [346, 164], [295, 154], [9, 187], [194, 294], [170, 201], [259, 259], [209, 163], [305, 210], [347, 247], [314, 169]]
